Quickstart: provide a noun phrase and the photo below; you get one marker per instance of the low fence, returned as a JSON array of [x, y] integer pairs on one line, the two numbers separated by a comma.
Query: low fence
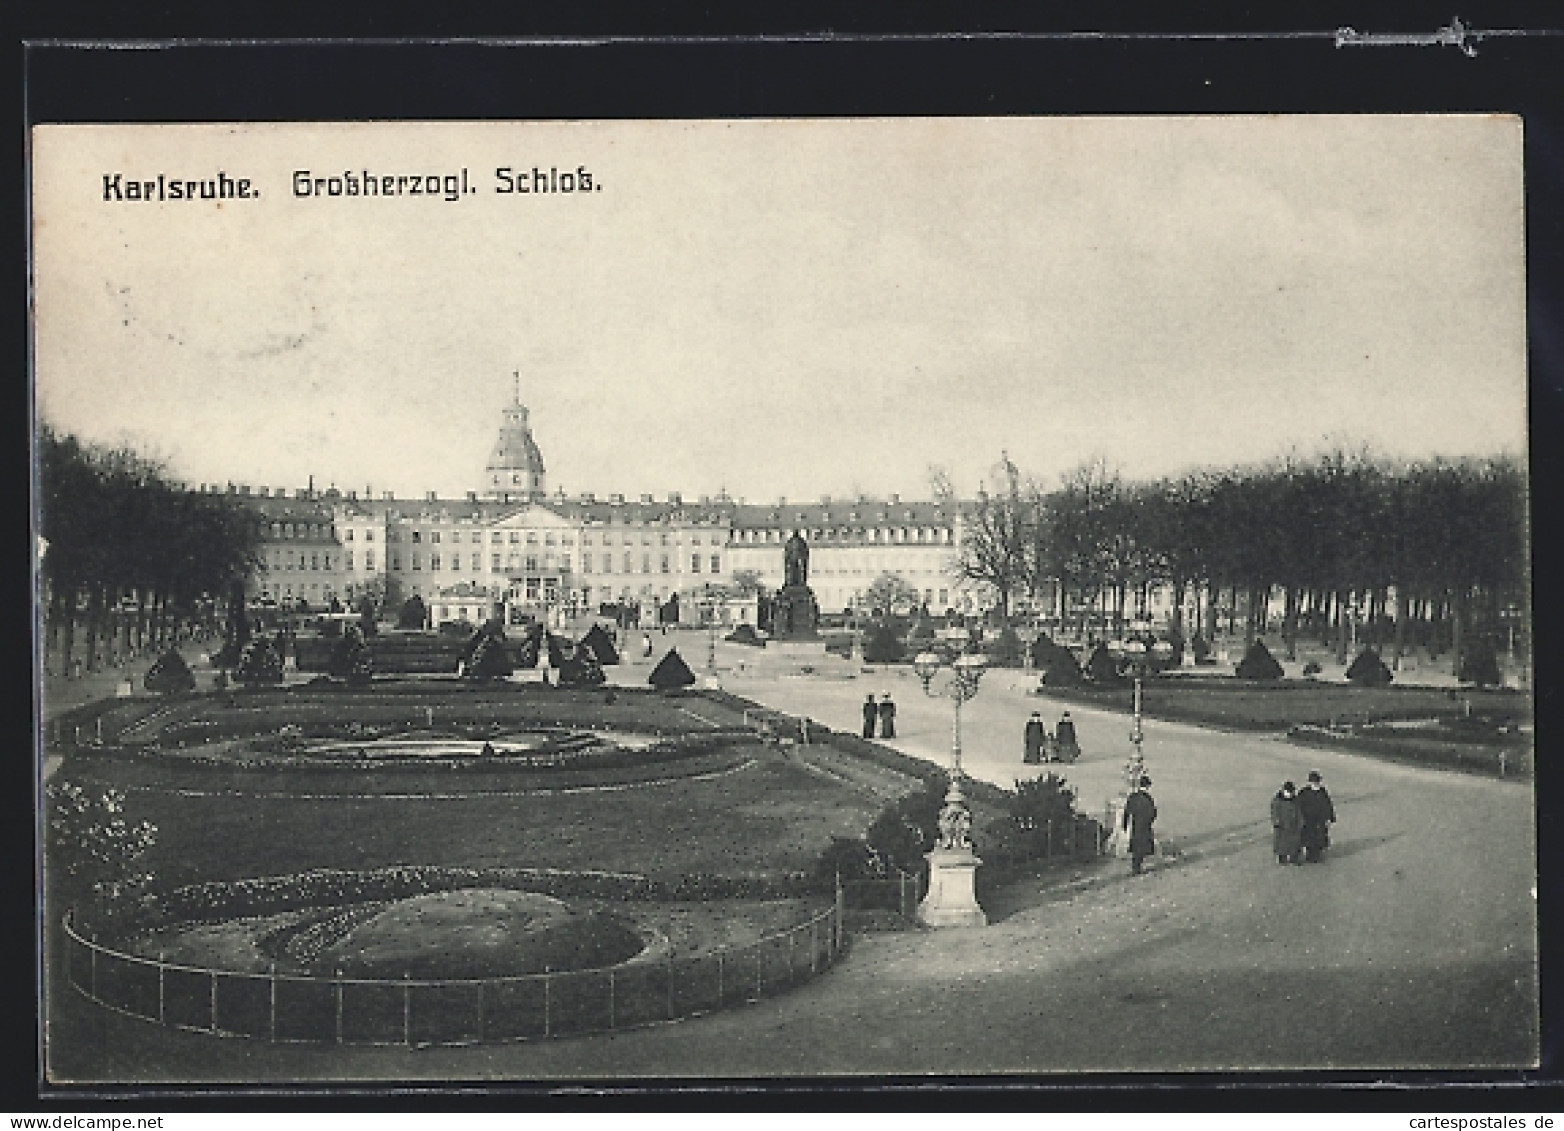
[[900, 892], [298, 1008]]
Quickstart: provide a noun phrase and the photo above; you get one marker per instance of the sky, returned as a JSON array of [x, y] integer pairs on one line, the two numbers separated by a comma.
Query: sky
[[791, 308]]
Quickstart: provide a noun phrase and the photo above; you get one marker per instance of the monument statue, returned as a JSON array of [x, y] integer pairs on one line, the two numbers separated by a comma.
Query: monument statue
[[795, 561], [794, 612]]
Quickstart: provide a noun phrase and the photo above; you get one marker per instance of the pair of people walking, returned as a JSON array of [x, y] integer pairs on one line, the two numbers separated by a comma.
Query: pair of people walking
[[1040, 746], [1301, 820], [883, 713]]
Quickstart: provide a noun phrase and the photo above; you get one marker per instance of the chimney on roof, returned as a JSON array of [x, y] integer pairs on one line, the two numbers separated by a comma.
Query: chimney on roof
[[588, 497], [431, 497], [351, 494], [244, 488], [825, 500], [301, 492], [646, 498], [676, 498], [895, 498], [388, 496], [472, 496], [263, 492], [782, 500], [616, 498], [705, 500]]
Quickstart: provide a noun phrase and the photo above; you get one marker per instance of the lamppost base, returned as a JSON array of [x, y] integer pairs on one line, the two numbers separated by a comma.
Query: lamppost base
[[952, 897]]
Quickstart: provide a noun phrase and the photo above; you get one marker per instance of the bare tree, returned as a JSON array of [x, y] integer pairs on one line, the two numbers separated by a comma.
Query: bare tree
[[997, 536]]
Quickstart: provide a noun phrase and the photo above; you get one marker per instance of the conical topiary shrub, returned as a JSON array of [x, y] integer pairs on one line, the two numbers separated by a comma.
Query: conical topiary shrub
[[745, 634], [1479, 665], [671, 672], [169, 674], [350, 659], [1368, 670], [1005, 650], [527, 650], [414, 614], [1258, 663], [490, 660], [558, 650], [602, 646], [581, 669], [1056, 663], [259, 664], [1103, 666]]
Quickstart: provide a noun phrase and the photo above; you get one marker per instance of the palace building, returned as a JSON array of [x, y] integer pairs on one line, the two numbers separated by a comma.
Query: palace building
[[513, 544]]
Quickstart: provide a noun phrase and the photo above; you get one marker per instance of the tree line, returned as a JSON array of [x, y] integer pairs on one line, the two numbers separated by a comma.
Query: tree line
[[125, 548], [1343, 544]]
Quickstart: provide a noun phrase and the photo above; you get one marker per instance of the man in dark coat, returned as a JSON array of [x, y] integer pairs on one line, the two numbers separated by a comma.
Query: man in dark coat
[[1140, 811], [1317, 812], [1286, 825], [887, 716], [870, 713], [1064, 739], [1036, 738]]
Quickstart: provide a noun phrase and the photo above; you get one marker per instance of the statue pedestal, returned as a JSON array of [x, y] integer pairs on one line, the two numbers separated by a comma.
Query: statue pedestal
[[952, 897], [795, 614]]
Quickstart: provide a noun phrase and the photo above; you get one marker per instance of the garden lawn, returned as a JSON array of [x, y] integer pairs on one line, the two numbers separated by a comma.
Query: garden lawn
[[772, 817], [1240, 704]]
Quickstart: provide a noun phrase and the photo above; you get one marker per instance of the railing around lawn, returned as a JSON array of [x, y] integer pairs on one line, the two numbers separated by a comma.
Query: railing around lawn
[[299, 1008]]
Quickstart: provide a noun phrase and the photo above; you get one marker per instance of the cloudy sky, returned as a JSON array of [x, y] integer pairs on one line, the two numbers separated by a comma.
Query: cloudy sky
[[796, 308]]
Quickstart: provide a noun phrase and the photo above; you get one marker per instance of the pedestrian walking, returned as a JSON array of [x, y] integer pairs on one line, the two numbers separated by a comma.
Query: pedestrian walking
[[1140, 812], [870, 714], [1286, 825], [887, 711], [1317, 813], [1035, 739], [1064, 739], [646, 645]]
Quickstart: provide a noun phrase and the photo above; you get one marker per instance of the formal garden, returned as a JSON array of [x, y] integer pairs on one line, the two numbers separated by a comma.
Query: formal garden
[[447, 859]]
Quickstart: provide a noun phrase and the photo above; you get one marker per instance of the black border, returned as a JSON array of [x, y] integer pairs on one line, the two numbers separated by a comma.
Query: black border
[[658, 62]]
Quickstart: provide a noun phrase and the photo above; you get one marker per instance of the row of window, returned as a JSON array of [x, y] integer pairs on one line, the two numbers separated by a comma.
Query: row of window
[[894, 535]]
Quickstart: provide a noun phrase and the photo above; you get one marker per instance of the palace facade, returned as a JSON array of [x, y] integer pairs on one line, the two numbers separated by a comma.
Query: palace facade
[[513, 544]]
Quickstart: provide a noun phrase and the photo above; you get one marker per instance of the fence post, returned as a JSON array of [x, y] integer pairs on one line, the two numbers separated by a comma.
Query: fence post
[[901, 893], [212, 1010], [759, 972], [670, 984], [337, 987], [719, 979], [611, 998], [841, 905], [814, 945], [548, 981], [272, 1004], [791, 973], [407, 1010], [92, 974], [160, 972], [481, 1025]]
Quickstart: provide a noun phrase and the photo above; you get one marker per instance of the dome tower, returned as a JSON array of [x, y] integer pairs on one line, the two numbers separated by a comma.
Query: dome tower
[[515, 464]]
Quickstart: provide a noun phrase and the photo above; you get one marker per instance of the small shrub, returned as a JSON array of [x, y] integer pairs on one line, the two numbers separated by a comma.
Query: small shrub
[[414, 614], [881, 645], [490, 660], [1058, 664], [1103, 667], [170, 675], [1480, 665], [259, 664], [1006, 649], [1201, 647], [581, 669], [745, 634], [671, 672], [1312, 668], [1368, 670], [602, 645], [1258, 663]]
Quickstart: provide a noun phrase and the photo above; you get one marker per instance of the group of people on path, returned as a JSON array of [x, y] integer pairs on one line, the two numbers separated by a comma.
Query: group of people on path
[[1301, 820], [1040, 746], [883, 713]]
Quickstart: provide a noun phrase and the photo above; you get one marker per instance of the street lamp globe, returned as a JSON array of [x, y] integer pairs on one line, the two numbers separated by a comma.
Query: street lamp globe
[[1135, 650], [969, 664], [926, 664]]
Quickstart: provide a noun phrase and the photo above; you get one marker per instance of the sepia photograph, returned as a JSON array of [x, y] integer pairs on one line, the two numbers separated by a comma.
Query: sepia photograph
[[822, 598]]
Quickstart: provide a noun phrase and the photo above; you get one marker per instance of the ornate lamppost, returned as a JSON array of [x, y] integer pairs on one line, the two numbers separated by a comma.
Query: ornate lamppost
[[952, 898], [1140, 661]]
